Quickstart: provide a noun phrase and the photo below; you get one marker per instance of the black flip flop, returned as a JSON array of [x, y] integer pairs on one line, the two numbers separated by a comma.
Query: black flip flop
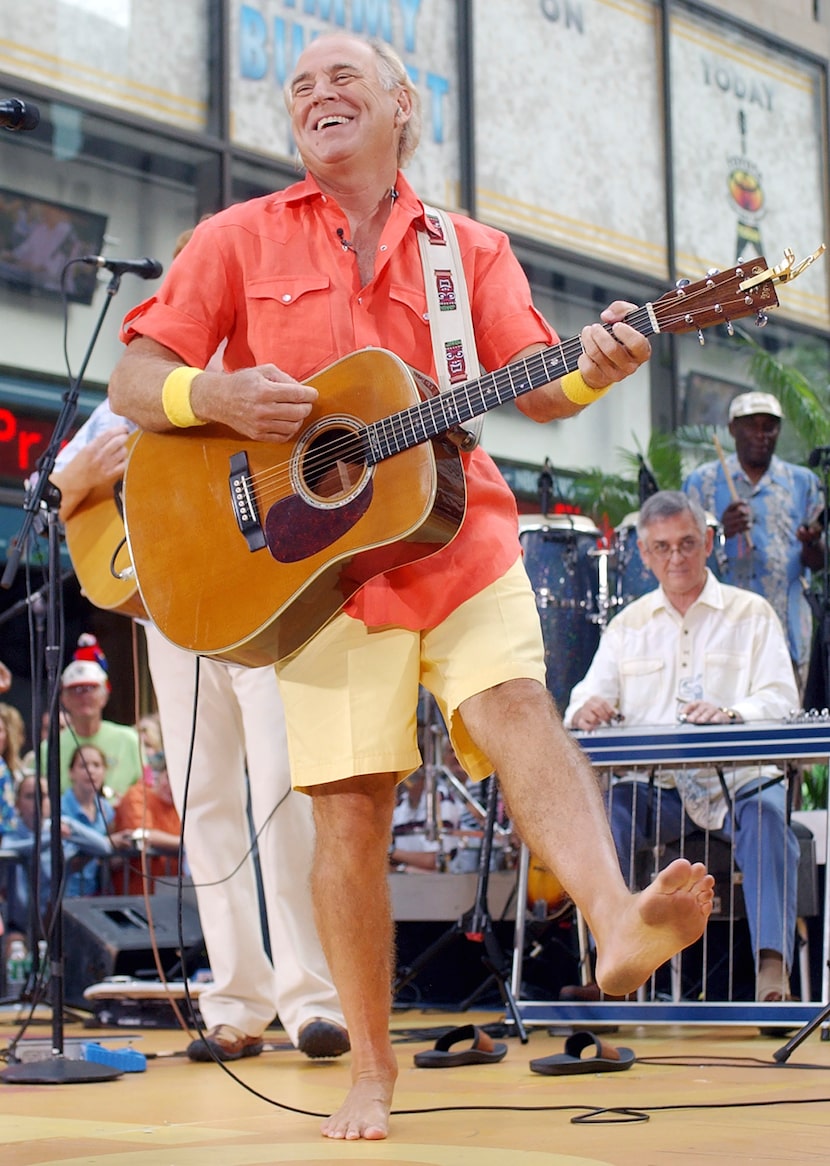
[[482, 1049], [605, 1059]]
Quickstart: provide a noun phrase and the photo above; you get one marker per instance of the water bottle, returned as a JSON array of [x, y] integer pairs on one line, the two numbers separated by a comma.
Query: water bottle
[[18, 966]]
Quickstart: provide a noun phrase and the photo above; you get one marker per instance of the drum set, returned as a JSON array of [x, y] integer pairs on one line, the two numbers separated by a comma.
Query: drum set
[[581, 579]]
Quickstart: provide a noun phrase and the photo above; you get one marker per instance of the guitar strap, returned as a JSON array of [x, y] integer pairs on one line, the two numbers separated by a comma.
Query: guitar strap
[[450, 319]]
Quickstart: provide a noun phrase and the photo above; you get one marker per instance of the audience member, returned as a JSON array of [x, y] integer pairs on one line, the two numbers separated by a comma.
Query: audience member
[[768, 510], [79, 837], [423, 823], [149, 731], [85, 690], [473, 820], [698, 651], [85, 802], [19, 839], [147, 820], [12, 734]]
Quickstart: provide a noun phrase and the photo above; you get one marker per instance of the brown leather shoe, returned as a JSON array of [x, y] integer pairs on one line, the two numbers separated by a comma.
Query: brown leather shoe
[[322, 1038], [224, 1043]]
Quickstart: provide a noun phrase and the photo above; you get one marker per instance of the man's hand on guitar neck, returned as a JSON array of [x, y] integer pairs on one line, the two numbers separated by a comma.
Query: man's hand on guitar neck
[[608, 356]]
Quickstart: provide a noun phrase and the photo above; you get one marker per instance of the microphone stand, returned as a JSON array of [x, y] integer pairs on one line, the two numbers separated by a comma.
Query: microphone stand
[[56, 1070], [818, 690], [476, 925], [821, 612]]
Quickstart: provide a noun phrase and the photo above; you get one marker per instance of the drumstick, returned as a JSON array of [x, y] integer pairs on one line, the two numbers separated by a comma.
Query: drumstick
[[734, 493]]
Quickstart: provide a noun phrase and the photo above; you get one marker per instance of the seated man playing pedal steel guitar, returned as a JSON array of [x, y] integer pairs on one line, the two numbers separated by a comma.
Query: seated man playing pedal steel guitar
[[699, 651]]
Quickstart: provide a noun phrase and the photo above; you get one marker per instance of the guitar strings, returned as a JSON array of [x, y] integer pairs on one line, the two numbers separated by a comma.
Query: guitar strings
[[272, 483]]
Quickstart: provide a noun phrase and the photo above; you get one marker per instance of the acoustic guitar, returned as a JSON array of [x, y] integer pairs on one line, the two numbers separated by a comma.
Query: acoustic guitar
[[244, 550], [97, 543]]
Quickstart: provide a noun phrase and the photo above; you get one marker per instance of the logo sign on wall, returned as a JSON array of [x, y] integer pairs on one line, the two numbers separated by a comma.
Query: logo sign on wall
[[750, 165]]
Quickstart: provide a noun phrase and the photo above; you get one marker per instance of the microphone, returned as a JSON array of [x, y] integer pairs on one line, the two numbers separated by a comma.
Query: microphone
[[145, 268], [16, 115], [345, 243]]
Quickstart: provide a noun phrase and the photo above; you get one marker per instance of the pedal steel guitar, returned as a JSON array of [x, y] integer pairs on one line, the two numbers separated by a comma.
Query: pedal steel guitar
[[804, 737]]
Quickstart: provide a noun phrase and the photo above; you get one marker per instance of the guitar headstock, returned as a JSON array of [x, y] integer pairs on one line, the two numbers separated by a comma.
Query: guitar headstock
[[724, 296]]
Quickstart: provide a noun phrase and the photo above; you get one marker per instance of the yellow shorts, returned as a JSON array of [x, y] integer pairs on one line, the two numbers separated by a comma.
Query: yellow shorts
[[351, 694]]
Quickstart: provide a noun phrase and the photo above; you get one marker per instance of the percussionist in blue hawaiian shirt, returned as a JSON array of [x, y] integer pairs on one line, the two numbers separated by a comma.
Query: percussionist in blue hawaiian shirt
[[772, 535]]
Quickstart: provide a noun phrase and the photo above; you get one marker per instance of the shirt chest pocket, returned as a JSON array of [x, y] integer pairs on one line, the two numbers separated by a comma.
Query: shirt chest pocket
[[289, 322], [726, 677], [642, 682]]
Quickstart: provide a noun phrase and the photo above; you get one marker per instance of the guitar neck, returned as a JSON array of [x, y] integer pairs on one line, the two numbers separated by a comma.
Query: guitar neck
[[391, 435], [723, 296]]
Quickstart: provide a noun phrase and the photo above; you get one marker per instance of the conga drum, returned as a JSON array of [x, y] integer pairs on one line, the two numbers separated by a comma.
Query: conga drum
[[560, 557]]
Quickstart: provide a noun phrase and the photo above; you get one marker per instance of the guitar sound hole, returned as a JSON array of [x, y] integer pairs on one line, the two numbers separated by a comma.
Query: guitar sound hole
[[333, 464]]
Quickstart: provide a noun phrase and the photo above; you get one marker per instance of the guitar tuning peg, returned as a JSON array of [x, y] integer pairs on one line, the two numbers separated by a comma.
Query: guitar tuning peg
[[681, 283], [713, 271], [761, 320], [730, 331], [700, 338]]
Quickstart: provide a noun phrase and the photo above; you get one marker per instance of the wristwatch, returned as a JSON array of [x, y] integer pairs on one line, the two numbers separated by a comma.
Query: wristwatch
[[733, 716]]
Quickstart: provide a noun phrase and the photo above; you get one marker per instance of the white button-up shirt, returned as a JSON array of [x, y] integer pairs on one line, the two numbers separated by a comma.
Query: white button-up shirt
[[728, 648]]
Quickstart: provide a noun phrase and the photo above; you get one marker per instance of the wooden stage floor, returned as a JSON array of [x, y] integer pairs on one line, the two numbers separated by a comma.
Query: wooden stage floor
[[710, 1096]]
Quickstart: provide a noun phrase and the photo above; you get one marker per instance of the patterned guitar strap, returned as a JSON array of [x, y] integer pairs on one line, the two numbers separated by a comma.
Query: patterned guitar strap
[[450, 320]]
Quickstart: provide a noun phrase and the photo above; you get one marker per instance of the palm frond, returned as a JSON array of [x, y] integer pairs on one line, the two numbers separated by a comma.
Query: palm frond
[[805, 406], [607, 498]]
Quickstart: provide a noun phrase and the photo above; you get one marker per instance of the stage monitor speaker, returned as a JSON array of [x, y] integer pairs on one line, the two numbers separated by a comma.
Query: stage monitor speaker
[[110, 935]]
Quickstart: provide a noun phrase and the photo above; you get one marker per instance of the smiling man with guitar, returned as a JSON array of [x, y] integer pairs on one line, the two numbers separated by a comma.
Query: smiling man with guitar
[[397, 550]]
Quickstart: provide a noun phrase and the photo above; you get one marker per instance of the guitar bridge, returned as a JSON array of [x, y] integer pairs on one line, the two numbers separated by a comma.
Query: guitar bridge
[[244, 503]]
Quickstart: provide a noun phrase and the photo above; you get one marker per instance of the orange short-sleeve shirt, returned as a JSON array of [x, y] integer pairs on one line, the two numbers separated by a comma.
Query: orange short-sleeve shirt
[[272, 277]]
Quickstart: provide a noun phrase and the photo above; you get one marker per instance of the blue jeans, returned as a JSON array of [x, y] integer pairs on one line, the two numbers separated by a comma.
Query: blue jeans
[[766, 849]]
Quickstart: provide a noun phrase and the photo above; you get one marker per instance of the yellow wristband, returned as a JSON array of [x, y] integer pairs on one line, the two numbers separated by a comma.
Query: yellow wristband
[[575, 389], [175, 397]]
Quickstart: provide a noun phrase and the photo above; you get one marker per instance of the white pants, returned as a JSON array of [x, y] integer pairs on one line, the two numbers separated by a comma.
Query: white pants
[[240, 716]]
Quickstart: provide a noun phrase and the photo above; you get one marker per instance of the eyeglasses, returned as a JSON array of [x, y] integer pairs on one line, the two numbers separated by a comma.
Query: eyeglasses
[[685, 548]]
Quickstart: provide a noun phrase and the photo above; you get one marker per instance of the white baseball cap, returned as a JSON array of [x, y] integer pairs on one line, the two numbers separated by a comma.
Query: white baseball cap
[[747, 404], [83, 672]]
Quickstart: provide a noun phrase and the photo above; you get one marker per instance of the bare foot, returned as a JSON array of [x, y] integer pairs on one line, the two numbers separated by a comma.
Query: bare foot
[[658, 922], [364, 1113]]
